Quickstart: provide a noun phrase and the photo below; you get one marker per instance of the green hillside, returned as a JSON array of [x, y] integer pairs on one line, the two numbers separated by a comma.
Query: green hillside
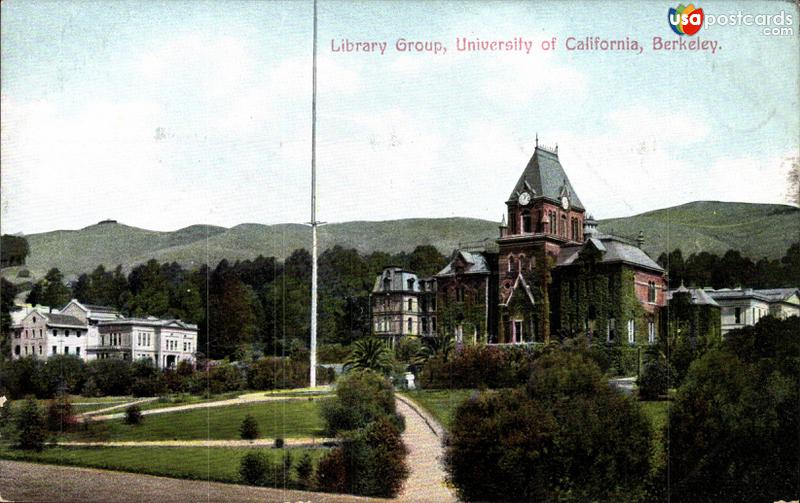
[[755, 229]]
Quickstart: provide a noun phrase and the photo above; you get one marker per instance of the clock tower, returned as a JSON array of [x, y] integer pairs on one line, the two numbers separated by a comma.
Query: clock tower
[[544, 214]]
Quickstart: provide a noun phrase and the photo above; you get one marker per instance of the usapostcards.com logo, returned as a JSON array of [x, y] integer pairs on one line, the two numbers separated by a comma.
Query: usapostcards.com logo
[[685, 20]]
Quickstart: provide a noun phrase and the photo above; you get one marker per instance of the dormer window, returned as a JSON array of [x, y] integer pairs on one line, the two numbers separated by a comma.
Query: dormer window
[[410, 284], [387, 283]]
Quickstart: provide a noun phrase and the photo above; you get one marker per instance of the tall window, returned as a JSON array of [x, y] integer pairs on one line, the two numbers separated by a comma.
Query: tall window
[[651, 332], [564, 225], [526, 221], [410, 304], [424, 325], [55, 350], [737, 313], [631, 332], [410, 325], [410, 284], [512, 222], [78, 351], [612, 329], [651, 292]]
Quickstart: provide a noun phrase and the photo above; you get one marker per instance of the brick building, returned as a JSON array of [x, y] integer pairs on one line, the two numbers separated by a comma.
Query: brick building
[[551, 273]]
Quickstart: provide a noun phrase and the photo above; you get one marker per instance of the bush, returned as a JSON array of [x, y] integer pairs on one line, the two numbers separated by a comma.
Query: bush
[[256, 469], [133, 415], [225, 377], [370, 462], [90, 388], [361, 397], [249, 428], [112, 376], [59, 415], [278, 373], [480, 366], [734, 423], [30, 426], [253, 468], [565, 436], [279, 443], [305, 471], [655, 379]]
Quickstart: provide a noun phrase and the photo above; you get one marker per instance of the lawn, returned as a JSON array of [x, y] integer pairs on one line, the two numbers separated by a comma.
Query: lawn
[[287, 419], [218, 464], [658, 413], [441, 403]]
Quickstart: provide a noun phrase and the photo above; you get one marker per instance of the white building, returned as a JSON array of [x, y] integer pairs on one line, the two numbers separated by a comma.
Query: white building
[[164, 342], [783, 302], [42, 334], [91, 332], [739, 307]]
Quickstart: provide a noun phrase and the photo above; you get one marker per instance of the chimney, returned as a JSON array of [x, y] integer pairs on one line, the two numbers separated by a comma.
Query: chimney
[[589, 227], [640, 239]]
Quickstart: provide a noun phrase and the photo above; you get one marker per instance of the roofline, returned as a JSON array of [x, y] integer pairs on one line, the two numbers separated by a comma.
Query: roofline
[[579, 208]]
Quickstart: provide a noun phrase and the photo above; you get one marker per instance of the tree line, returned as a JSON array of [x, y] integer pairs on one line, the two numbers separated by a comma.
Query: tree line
[[245, 308], [732, 269]]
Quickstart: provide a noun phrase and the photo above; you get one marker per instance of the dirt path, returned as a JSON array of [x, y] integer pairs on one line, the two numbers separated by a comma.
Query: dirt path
[[423, 435], [34, 482], [260, 442], [115, 407]]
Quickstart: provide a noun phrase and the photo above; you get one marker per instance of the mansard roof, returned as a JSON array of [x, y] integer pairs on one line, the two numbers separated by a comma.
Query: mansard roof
[[475, 263], [397, 280], [778, 294], [613, 249], [698, 296], [545, 177]]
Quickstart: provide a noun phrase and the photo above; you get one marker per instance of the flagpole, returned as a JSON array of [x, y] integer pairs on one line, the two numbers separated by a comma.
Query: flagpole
[[313, 349]]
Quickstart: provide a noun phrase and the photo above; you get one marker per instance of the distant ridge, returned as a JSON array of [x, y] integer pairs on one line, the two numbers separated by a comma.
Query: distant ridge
[[757, 230]]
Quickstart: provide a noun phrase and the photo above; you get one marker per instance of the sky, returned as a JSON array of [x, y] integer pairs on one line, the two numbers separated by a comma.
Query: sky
[[167, 114]]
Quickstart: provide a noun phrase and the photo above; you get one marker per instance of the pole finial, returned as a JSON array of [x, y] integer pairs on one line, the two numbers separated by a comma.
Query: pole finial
[[537, 140]]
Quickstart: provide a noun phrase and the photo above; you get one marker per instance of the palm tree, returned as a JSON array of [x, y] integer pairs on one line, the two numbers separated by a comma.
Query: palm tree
[[439, 345], [371, 353]]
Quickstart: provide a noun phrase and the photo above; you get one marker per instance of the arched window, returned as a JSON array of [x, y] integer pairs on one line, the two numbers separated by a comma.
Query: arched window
[[410, 325], [564, 225], [512, 222], [410, 283], [651, 292], [410, 304], [387, 283], [526, 221]]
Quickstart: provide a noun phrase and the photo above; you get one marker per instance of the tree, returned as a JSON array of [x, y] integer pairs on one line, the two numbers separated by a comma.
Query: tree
[[55, 294], [734, 422], [655, 379], [60, 416], [305, 471], [361, 397], [567, 436], [371, 354], [249, 428], [30, 426], [13, 250], [8, 292], [133, 415]]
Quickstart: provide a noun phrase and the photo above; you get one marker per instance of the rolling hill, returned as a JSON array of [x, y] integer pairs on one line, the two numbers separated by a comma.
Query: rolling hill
[[755, 229]]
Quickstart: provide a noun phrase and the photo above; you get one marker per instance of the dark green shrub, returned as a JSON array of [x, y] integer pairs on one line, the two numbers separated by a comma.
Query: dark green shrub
[[253, 468], [133, 415], [279, 443], [249, 428], [60, 416], [567, 436], [30, 426], [655, 379], [224, 377], [480, 366], [305, 471], [361, 397], [734, 422], [90, 388]]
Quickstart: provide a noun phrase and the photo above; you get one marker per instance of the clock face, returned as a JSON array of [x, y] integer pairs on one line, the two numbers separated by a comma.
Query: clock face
[[524, 199], [565, 202]]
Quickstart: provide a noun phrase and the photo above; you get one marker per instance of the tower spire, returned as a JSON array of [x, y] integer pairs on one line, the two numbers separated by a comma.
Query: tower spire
[[537, 140]]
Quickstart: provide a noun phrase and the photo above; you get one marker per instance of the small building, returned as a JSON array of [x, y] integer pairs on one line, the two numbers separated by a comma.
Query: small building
[[401, 304], [740, 307], [164, 342], [43, 334], [783, 302]]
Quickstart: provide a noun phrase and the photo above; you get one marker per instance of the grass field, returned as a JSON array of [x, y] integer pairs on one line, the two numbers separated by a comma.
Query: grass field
[[287, 419], [217, 464], [441, 403], [658, 413]]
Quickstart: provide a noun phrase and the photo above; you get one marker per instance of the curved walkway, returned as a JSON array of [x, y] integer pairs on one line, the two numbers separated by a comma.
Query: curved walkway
[[423, 438], [259, 442]]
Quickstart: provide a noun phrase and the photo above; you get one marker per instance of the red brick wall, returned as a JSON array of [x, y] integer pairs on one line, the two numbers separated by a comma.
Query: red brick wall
[[641, 280]]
